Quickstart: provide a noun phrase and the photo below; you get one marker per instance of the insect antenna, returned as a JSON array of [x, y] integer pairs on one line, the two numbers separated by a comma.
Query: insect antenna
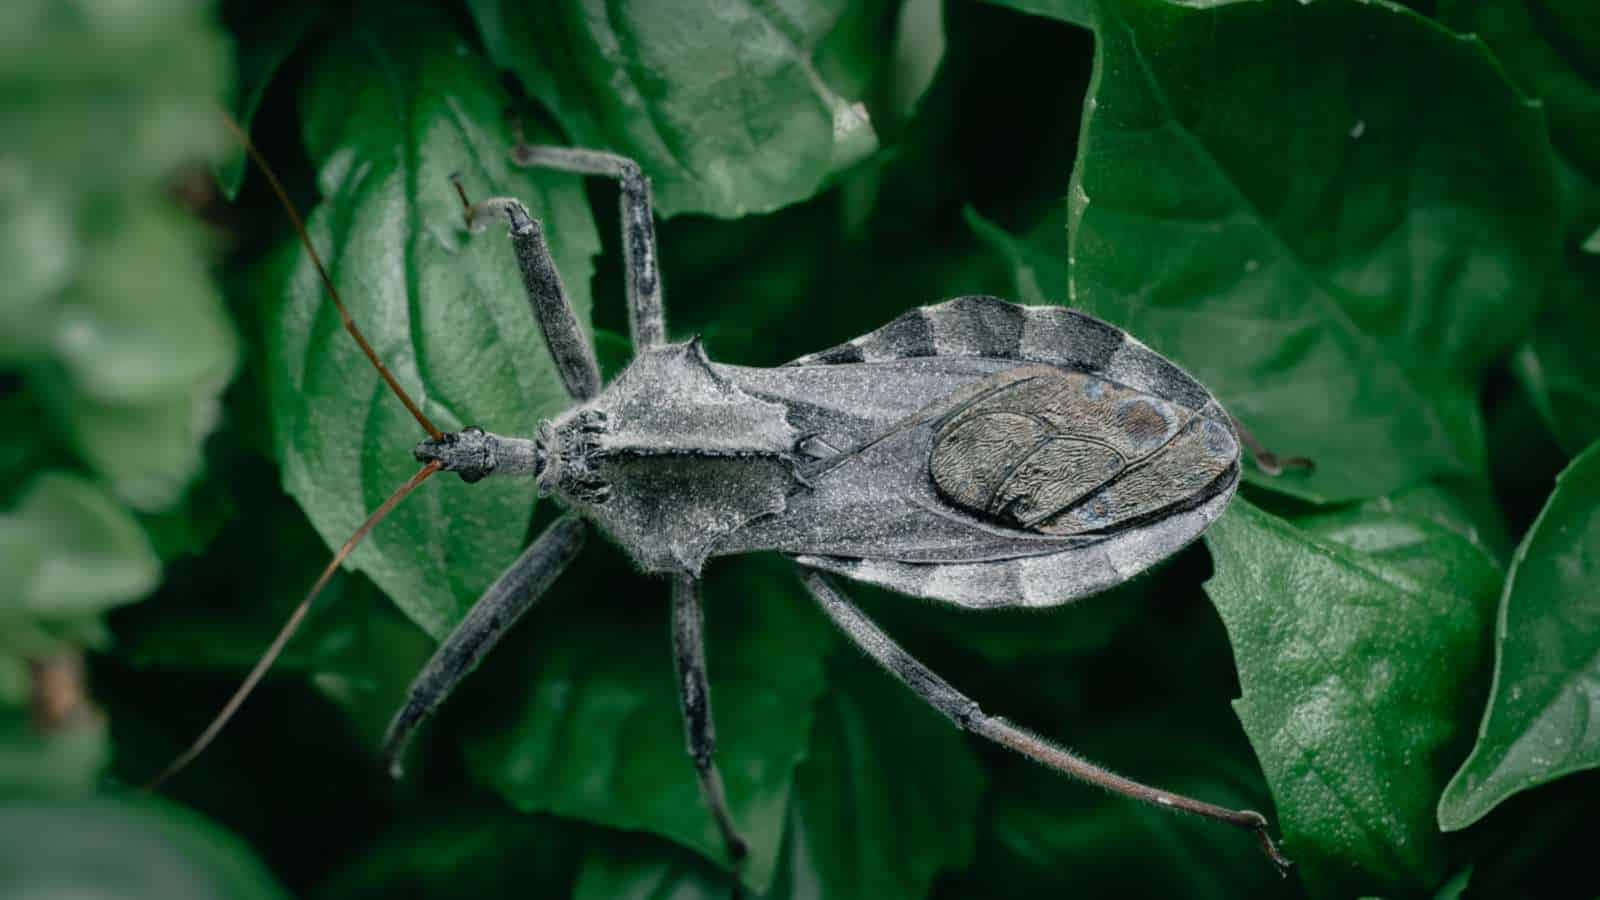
[[298, 616], [242, 137], [288, 630]]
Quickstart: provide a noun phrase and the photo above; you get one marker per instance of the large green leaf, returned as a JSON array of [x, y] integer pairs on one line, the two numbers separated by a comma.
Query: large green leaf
[[1539, 722], [726, 105], [1358, 638], [391, 109], [1337, 250], [596, 734], [132, 849]]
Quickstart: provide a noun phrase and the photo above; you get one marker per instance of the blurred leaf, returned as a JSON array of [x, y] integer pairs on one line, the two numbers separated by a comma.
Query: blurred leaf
[[1354, 636], [103, 96], [1338, 269], [53, 739], [107, 309], [136, 378], [476, 852], [1538, 724], [392, 108], [67, 549], [266, 36], [919, 45], [68, 761], [722, 103], [597, 735], [126, 848]]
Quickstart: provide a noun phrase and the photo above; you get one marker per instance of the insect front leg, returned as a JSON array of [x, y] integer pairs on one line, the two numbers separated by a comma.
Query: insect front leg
[[558, 322], [694, 697], [646, 319], [962, 710], [489, 619]]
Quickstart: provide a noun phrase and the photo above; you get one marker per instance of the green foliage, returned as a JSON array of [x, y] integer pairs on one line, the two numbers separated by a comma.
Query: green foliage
[[1537, 726], [652, 80], [1354, 634], [1369, 229], [100, 847]]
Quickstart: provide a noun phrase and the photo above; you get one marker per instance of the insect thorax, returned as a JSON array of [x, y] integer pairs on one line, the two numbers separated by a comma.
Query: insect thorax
[[671, 458]]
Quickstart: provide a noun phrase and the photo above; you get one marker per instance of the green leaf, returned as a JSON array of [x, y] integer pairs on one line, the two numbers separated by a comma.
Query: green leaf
[[1354, 637], [1537, 726], [1559, 365], [472, 852], [129, 848], [68, 760], [1337, 250], [1056, 834], [885, 800], [392, 108], [596, 733], [68, 550], [641, 868], [723, 104]]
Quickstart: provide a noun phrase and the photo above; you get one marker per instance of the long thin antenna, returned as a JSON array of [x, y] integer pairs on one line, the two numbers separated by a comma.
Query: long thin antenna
[[344, 314], [288, 630]]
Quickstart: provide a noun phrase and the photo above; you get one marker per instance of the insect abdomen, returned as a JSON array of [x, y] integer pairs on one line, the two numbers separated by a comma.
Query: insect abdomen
[[1067, 453]]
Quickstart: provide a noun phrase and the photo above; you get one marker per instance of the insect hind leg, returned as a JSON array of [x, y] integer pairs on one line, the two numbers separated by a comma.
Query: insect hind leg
[[646, 318], [965, 712], [694, 695]]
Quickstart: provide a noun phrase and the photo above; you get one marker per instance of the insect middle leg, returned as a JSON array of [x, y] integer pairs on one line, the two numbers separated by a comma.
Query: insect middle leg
[[489, 619], [939, 694], [694, 696], [646, 320]]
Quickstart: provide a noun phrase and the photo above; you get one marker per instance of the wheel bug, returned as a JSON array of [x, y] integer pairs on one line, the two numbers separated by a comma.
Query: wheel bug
[[974, 452]]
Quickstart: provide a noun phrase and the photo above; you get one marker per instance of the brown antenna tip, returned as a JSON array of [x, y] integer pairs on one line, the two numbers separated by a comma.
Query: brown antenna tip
[[288, 630]]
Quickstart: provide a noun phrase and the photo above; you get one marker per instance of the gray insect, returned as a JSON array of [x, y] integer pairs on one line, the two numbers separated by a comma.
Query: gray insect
[[974, 452]]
